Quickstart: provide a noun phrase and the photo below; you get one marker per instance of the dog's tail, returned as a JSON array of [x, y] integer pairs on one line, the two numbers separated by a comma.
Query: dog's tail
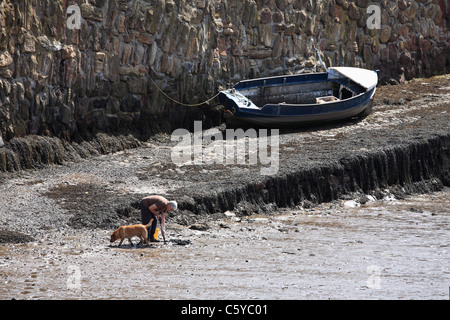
[[149, 223]]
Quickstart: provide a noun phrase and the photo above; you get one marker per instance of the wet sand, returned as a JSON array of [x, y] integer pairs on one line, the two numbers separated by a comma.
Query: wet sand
[[384, 249]]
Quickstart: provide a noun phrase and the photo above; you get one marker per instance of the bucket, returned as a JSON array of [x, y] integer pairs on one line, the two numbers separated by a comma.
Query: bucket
[[155, 235]]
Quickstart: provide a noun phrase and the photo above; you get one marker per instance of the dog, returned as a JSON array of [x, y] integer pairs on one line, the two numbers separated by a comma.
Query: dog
[[136, 230]]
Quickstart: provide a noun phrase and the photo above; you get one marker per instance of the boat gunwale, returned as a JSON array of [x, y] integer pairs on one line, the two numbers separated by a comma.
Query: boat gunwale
[[239, 86]]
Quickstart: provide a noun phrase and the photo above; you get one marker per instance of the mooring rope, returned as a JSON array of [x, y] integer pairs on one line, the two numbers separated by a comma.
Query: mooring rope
[[179, 102]]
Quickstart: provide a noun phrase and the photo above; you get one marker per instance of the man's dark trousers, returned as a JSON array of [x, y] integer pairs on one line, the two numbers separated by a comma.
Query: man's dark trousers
[[146, 216]]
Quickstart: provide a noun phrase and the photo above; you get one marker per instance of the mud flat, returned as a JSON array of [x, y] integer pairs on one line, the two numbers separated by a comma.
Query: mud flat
[[312, 230], [384, 249]]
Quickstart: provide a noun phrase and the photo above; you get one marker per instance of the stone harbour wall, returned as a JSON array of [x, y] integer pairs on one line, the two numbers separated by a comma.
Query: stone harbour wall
[[73, 73]]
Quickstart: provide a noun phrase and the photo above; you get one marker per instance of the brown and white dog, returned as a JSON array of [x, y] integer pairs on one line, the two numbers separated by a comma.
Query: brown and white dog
[[136, 230]]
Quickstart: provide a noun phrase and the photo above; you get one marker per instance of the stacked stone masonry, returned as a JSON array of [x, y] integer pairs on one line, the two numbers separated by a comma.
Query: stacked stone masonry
[[61, 79]]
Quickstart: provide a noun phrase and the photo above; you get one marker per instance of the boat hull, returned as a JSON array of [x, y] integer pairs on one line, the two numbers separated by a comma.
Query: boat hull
[[309, 116]]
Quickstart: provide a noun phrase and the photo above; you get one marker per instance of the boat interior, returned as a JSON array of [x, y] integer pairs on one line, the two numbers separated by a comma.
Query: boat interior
[[301, 92]]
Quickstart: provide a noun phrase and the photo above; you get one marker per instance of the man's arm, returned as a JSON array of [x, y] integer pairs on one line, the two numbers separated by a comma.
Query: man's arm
[[161, 217], [153, 209], [163, 221]]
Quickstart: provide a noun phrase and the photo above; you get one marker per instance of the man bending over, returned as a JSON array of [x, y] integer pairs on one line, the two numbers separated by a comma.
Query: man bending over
[[155, 207]]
